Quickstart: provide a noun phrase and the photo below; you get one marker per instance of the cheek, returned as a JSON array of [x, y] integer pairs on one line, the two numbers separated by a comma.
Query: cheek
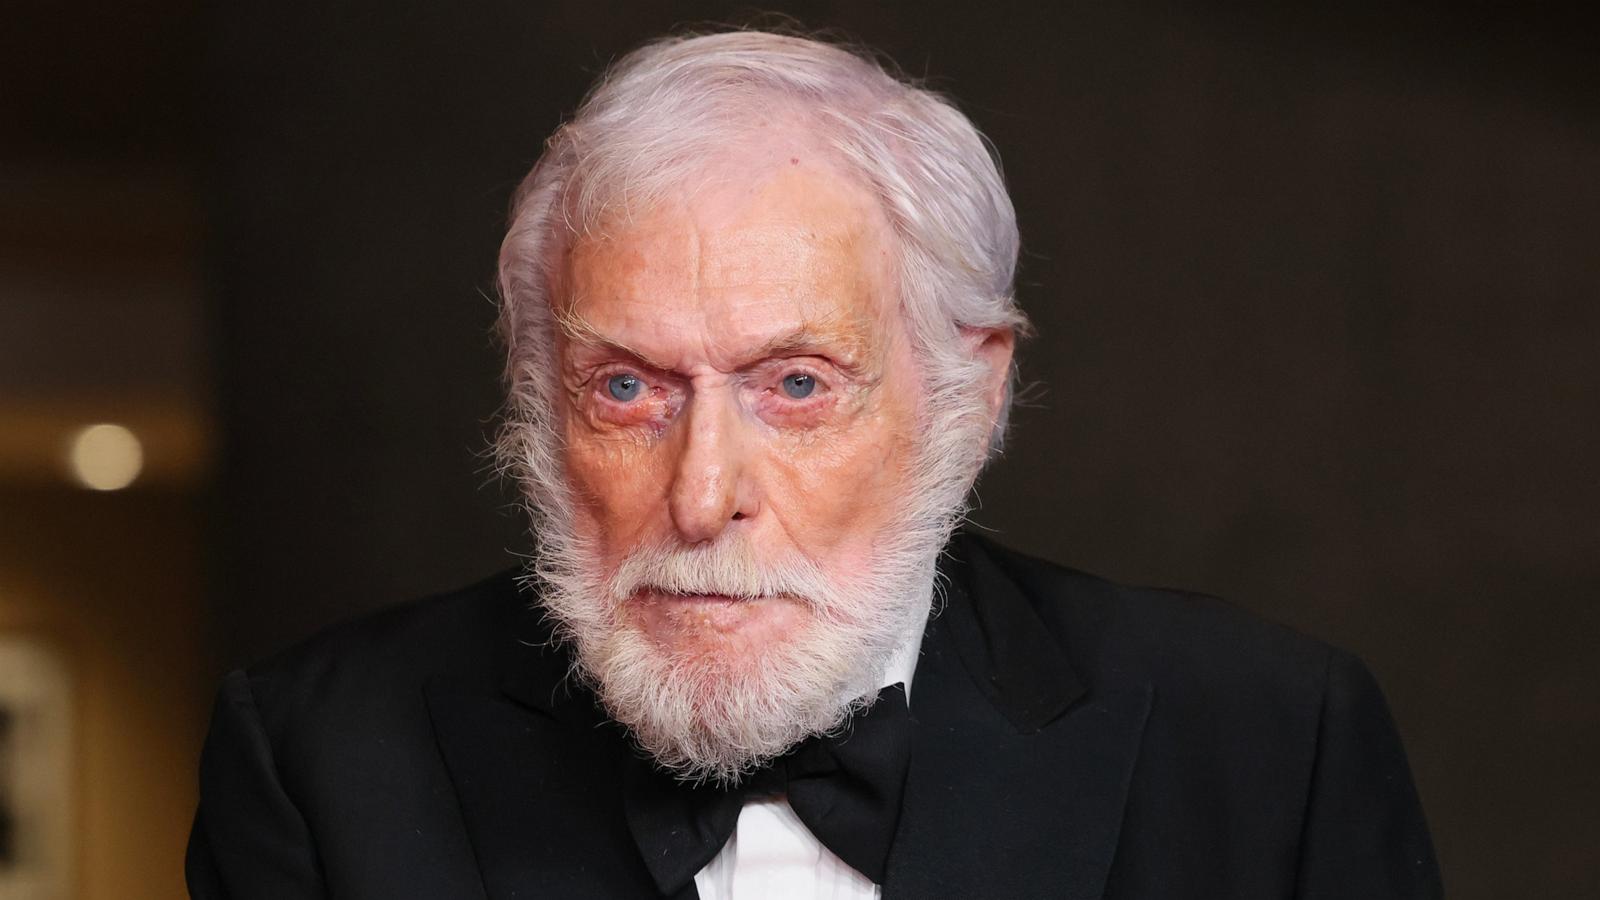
[[840, 490], [619, 484]]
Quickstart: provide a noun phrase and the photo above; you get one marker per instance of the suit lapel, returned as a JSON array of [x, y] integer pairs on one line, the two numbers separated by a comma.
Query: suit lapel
[[1020, 769], [535, 769]]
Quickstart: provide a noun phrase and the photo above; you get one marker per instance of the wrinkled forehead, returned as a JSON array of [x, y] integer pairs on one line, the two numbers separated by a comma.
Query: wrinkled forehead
[[797, 216], [774, 235]]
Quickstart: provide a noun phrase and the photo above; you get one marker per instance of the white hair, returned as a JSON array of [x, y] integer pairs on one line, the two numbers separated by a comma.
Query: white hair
[[652, 118], [648, 128]]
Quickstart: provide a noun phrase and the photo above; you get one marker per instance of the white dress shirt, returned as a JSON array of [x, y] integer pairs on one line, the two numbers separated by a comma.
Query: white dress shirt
[[773, 856]]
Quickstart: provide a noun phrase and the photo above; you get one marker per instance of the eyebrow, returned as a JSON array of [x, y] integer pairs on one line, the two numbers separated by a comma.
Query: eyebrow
[[850, 347], [808, 340], [577, 329]]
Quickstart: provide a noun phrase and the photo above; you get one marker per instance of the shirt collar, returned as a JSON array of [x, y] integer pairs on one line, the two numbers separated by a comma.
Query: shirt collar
[[903, 662]]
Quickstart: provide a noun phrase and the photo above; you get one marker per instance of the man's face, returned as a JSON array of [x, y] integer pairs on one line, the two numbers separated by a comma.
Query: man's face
[[735, 371]]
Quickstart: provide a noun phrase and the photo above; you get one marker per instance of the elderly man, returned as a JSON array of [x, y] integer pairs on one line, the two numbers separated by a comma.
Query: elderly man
[[757, 302]]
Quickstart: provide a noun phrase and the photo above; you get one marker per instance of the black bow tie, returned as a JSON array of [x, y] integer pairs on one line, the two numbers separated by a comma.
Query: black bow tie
[[846, 788]]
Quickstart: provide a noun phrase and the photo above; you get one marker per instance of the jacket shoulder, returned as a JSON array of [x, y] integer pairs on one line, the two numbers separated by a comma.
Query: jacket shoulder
[[1181, 641], [321, 773], [355, 670], [1271, 754]]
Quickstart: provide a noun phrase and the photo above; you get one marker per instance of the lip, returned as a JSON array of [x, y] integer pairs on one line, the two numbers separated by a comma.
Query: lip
[[658, 596], [672, 617]]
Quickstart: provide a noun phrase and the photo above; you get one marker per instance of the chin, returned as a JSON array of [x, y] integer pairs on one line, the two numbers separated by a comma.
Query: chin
[[719, 657], [706, 713]]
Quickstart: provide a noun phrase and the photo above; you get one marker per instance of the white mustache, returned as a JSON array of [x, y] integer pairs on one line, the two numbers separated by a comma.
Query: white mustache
[[728, 567]]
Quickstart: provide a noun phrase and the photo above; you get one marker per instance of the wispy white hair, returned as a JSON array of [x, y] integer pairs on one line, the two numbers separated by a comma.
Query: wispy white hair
[[649, 125]]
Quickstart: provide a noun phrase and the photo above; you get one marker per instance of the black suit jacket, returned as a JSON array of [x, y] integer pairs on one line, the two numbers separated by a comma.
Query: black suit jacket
[[1073, 739]]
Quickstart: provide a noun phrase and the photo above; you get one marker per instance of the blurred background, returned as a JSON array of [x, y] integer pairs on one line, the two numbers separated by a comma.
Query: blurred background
[[1317, 292]]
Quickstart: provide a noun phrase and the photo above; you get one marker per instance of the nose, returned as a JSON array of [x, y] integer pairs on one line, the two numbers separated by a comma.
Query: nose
[[710, 488]]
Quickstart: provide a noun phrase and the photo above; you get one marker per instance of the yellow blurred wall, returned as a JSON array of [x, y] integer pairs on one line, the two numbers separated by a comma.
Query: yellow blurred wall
[[113, 581]]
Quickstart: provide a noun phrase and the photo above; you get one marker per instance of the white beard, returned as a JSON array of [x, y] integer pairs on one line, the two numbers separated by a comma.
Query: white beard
[[703, 717], [706, 716]]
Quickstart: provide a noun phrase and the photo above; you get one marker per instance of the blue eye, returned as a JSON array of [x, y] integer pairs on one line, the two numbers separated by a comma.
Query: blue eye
[[623, 387], [799, 385]]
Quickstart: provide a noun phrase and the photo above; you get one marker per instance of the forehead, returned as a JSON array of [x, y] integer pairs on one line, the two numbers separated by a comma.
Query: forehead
[[737, 262]]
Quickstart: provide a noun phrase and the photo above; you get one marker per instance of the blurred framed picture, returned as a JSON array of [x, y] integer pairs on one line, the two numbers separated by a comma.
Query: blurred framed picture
[[36, 766]]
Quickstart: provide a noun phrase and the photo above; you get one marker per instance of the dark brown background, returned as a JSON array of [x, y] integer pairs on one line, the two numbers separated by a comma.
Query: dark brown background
[[1316, 295]]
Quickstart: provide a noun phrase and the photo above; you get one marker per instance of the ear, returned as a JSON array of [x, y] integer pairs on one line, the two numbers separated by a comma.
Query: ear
[[993, 347]]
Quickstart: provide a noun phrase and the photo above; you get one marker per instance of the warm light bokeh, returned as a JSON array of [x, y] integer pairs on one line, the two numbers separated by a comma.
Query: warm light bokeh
[[106, 457]]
